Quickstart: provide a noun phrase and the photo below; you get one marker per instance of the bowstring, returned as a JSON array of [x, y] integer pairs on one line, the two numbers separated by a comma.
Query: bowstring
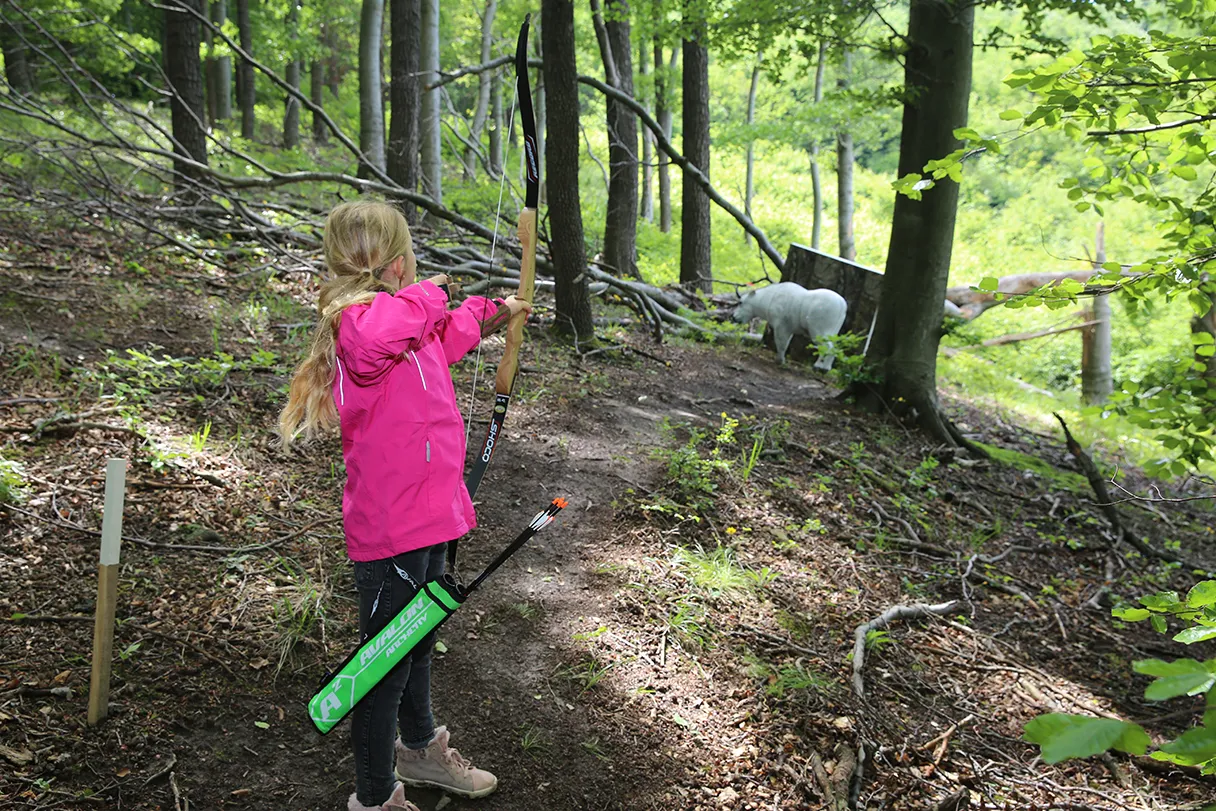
[[502, 182]]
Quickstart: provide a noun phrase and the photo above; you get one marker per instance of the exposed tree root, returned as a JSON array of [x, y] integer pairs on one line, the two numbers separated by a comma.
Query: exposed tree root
[[898, 612]]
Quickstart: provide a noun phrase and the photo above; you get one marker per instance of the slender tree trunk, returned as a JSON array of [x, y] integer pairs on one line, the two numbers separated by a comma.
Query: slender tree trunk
[[184, 71], [291, 106], [484, 89], [813, 150], [496, 116], [696, 255], [371, 90], [647, 142], [209, 88], [662, 109], [18, 70], [221, 68], [316, 93], [1206, 324], [620, 225], [1096, 383], [847, 246], [903, 351], [432, 145], [561, 167], [750, 190], [244, 80], [335, 69], [405, 18]]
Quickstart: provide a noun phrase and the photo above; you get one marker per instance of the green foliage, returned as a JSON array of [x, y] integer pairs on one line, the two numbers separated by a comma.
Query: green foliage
[[1069, 736], [12, 481]]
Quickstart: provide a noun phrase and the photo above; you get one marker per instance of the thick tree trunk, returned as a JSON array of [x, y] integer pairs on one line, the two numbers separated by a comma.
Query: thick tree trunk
[[696, 255], [291, 106], [813, 150], [1096, 383], [244, 71], [220, 75], [184, 71], [484, 89], [371, 80], [405, 101], [846, 244], [561, 167], [432, 145], [903, 352], [647, 142], [750, 189], [662, 111], [496, 115], [316, 94], [18, 70], [621, 223]]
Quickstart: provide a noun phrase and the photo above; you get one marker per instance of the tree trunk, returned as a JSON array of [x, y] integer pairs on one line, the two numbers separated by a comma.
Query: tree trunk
[[18, 70], [647, 143], [432, 154], [902, 356], [847, 245], [1206, 324], [371, 80], [561, 167], [813, 150], [405, 101], [662, 110], [696, 256], [220, 81], [334, 67], [244, 79], [184, 71], [621, 223], [484, 89], [316, 93], [750, 188], [1096, 384], [496, 115], [291, 106]]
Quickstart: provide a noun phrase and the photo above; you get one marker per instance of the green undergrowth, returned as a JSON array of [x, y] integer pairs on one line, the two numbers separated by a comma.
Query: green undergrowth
[[1059, 479]]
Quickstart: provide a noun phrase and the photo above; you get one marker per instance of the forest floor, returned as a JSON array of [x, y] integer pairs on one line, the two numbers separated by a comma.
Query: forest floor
[[681, 639]]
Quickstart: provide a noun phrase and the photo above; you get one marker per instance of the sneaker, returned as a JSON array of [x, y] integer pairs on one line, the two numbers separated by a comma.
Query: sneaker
[[396, 802], [440, 766]]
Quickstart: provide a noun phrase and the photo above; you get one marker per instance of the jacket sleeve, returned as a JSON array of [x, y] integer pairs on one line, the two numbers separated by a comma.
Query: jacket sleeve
[[372, 337], [463, 327]]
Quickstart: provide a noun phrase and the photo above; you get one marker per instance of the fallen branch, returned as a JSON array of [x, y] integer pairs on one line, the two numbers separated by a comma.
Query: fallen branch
[[951, 351], [899, 612]]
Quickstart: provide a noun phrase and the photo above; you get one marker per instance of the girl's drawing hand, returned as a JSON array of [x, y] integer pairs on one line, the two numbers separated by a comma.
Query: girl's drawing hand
[[517, 305]]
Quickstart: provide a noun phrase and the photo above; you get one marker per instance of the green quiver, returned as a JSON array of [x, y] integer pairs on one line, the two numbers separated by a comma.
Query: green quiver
[[373, 660]]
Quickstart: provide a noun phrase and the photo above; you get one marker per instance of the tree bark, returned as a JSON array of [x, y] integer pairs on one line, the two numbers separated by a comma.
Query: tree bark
[[184, 71], [1096, 383], [561, 167], [647, 144], [18, 70], [696, 253], [902, 356], [1206, 324], [405, 100], [813, 150], [316, 94], [750, 189], [220, 81], [620, 226], [371, 79], [291, 107], [662, 112], [244, 79], [846, 243], [496, 116], [484, 88], [432, 154]]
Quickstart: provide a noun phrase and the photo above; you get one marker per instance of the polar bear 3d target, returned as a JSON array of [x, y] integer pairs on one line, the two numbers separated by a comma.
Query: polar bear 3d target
[[790, 309]]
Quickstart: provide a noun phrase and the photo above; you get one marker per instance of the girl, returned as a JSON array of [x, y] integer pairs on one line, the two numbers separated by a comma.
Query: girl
[[378, 370]]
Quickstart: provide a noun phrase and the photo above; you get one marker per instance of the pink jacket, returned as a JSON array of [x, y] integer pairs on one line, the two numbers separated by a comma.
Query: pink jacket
[[402, 433]]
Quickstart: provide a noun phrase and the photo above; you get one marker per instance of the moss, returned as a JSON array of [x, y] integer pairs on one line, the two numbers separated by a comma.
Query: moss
[[1060, 479]]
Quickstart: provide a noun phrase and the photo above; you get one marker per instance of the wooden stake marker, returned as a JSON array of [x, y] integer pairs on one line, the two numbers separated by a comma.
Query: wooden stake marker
[[107, 590]]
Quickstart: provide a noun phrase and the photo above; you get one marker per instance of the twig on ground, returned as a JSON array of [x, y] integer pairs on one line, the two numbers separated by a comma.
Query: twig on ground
[[898, 612]]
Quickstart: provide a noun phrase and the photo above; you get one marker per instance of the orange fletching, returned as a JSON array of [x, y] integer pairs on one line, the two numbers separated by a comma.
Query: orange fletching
[[560, 502]]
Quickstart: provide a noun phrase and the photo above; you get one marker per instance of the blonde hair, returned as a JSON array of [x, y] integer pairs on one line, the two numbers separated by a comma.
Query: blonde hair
[[361, 239]]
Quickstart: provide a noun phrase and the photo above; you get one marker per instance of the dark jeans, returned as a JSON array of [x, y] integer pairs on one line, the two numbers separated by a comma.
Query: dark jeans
[[402, 701]]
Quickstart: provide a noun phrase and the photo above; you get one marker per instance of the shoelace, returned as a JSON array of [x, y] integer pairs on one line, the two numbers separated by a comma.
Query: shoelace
[[453, 756]]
